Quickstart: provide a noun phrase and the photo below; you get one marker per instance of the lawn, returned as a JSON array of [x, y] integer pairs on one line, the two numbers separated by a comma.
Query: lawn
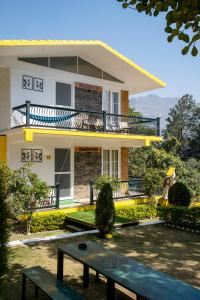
[[88, 217], [173, 251]]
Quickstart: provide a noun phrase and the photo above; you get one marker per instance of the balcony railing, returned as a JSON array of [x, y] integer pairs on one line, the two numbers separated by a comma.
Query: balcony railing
[[66, 118]]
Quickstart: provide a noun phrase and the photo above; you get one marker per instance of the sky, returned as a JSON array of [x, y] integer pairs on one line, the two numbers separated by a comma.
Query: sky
[[137, 36]]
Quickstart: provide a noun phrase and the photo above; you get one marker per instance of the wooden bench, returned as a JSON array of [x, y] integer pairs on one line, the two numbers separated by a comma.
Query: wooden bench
[[46, 282]]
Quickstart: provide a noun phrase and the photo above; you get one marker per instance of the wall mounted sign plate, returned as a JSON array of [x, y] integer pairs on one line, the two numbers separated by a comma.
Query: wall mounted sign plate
[[27, 82], [37, 155], [38, 84], [26, 155]]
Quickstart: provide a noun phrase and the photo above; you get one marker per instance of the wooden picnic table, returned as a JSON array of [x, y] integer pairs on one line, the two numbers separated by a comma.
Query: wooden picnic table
[[144, 281]]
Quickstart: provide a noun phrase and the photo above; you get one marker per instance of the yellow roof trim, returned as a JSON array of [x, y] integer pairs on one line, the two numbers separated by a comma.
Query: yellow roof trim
[[82, 43], [30, 131]]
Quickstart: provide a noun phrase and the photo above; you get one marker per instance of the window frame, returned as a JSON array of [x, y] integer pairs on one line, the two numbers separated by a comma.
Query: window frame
[[110, 161], [72, 93], [111, 100]]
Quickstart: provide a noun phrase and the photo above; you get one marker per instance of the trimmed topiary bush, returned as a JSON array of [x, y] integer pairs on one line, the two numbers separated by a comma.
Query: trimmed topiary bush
[[105, 210], [179, 195]]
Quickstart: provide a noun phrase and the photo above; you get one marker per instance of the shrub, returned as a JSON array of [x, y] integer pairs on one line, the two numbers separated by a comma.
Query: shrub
[[105, 210], [138, 212], [27, 190], [103, 179], [187, 217], [179, 195], [47, 222], [5, 175]]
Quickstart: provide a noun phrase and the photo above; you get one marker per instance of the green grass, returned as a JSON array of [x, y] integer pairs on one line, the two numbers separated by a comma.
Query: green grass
[[89, 217]]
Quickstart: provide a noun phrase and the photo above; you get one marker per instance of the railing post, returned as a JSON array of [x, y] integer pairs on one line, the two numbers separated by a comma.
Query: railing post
[[28, 104], [158, 126], [91, 192], [58, 195], [104, 120]]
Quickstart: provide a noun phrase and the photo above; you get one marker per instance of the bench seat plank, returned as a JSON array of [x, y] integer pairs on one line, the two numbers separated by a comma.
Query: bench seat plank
[[50, 285]]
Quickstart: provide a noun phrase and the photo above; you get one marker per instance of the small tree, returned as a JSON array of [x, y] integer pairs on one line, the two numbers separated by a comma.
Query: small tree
[[152, 182], [105, 210], [100, 182], [27, 190], [5, 175], [179, 195]]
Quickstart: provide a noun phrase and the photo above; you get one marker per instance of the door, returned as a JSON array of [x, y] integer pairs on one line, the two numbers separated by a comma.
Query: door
[[63, 171], [111, 106]]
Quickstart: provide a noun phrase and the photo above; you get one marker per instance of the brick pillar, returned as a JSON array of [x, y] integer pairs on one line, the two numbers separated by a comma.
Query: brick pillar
[[124, 163], [124, 102]]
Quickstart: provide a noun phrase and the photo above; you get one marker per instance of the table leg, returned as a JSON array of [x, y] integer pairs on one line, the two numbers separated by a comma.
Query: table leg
[[110, 289], [85, 276], [60, 265], [23, 297]]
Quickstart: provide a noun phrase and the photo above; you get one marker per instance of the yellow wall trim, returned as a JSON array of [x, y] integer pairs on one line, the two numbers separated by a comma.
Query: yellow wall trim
[[3, 148], [82, 42], [29, 132]]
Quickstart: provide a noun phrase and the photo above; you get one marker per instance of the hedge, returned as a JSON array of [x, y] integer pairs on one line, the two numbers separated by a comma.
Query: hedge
[[45, 222], [138, 212], [54, 220], [186, 217]]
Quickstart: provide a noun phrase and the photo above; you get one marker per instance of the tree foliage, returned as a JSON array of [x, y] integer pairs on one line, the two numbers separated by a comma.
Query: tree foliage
[[141, 160], [4, 215], [105, 210], [183, 125], [182, 19]]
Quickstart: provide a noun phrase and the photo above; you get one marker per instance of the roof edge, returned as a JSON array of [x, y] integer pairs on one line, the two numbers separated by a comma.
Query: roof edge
[[82, 42]]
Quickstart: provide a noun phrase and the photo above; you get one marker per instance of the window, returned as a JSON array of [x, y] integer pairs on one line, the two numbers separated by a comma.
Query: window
[[111, 163], [42, 61], [63, 171], [109, 77], [64, 63], [72, 64], [88, 69], [63, 94], [111, 102]]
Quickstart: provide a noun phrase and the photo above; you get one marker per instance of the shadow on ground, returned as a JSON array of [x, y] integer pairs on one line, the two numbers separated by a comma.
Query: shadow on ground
[[169, 250]]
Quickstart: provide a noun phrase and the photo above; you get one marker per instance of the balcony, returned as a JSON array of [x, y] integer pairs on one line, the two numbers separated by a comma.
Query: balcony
[[35, 115]]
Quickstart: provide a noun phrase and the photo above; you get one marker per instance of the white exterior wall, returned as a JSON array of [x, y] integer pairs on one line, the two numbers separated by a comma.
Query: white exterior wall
[[50, 76], [45, 169]]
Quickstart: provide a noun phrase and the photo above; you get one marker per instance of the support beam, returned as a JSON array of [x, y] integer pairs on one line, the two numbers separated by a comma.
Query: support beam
[[28, 135]]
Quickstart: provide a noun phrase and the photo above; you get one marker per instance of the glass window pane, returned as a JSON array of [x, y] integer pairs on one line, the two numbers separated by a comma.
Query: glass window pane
[[88, 69], [107, 76], [63, 94], [62, 160], [64, 181], [64, 63], [106, 101], [115, 102], [42, 61]]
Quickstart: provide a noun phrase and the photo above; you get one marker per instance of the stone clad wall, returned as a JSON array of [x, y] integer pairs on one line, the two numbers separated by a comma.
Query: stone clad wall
[[88, 99], [87, 166]]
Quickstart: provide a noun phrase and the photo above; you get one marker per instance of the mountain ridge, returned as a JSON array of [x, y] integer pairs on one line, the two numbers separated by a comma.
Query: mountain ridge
[[154, 106]]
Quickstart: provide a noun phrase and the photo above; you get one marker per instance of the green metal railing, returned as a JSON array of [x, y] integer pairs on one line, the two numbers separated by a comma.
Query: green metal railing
[[53, 199], [127, 189], [66, 118]]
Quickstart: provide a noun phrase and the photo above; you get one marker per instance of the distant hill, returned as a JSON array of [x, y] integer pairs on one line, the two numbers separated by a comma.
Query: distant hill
[[153, 106]]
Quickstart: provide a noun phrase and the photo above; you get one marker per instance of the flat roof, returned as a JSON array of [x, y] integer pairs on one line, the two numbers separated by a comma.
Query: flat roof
[[135, 78]]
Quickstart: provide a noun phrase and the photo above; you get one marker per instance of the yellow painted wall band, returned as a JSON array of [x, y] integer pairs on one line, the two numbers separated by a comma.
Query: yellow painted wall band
[[3, 148]]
